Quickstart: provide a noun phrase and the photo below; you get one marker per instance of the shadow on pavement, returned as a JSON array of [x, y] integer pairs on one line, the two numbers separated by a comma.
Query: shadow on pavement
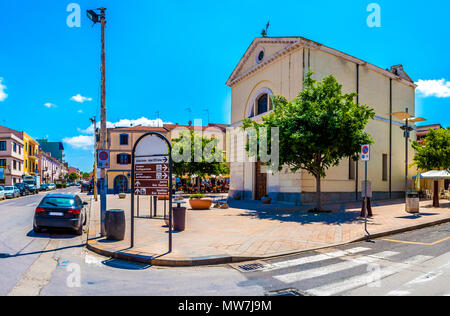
[[53, 234]]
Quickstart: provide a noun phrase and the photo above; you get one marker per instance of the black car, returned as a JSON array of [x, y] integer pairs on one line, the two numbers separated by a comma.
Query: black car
[[44, 187], [23, 189], [60, 211], [86, 187]]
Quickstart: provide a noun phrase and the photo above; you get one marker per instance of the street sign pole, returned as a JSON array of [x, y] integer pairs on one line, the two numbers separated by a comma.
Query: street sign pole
[[365, 156]]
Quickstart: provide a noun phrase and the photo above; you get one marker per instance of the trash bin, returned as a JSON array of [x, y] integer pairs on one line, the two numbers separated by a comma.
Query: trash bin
[[179, 218], [115, 225], [412, 203]]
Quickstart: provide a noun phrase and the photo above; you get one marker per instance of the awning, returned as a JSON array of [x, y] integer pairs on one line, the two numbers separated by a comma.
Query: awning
[[435, 175]]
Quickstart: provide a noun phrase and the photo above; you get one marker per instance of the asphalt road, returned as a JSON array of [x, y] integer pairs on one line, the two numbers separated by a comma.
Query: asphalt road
[[415, 263]]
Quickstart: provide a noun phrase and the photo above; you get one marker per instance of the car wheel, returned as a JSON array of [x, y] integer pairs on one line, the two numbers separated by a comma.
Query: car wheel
[[79, 231]]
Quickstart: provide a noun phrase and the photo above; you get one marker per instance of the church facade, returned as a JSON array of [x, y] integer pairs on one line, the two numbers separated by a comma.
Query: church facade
[[277, 66]]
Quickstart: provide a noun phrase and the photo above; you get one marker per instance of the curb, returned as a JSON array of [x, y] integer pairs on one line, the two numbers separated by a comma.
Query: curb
[[228, 259]]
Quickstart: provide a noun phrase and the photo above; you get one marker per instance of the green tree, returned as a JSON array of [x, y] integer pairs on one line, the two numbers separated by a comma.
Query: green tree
[[434, 153], [196, 155], [73, 177], [319, 128]]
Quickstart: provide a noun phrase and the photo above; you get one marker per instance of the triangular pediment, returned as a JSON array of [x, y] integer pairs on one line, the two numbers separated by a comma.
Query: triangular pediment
[[261, 51]]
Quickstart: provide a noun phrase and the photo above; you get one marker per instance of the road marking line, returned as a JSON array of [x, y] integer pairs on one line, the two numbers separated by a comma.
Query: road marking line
[[367, 278], [313, 259], [338, 267], [418, 243]]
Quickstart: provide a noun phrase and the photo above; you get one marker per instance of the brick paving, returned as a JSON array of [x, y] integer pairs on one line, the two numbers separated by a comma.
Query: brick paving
[[251, 230]]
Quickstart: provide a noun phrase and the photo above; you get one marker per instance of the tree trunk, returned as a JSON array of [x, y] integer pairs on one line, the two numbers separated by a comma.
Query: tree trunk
[[318, 194]]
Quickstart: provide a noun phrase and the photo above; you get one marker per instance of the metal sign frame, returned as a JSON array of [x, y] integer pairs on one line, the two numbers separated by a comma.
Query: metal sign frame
[[133, 157]]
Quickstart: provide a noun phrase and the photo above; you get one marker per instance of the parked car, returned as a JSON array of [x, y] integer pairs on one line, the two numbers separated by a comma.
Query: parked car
[[52, 186], [11, 192], [32, 188], [23, 188], [60, 211], [86, 187], [44, 187], [2, 193]]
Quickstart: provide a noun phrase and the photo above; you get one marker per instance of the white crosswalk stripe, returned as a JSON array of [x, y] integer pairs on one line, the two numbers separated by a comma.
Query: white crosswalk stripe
[[333, 268], [368, 278], [313, 259]]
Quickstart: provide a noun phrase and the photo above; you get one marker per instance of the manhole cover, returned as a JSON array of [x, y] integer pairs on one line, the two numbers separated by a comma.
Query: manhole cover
[[250, 266], [287, 292]]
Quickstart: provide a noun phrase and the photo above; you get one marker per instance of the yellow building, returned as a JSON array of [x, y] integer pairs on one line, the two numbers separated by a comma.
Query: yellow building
[[30, 155], [277, 66]]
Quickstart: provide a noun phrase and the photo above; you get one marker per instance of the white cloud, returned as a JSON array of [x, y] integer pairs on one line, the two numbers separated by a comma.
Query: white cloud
[[80, 142], [80, 99], [80, 111], [434, 88], [143, 121], [3, 94], [50, 105]]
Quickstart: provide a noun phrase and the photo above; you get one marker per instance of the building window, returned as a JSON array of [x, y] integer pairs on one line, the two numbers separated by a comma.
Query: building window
[[124, 159], [351, 169], [15, 165], [2, 145], [262, 104], [124, 139], [385, 167], [2, 162]]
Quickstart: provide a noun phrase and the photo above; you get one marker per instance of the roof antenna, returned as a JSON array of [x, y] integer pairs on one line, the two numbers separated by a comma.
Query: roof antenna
[[265, 31]]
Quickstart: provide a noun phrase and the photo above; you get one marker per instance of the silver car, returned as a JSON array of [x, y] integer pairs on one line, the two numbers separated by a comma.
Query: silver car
[[11, 192], [2, 193]]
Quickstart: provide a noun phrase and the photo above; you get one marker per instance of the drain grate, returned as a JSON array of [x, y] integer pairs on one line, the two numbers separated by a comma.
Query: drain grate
[[250, 266], [287, 292]]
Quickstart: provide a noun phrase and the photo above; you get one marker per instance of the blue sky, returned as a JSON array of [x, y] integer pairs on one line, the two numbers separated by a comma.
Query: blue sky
[[168, 56]]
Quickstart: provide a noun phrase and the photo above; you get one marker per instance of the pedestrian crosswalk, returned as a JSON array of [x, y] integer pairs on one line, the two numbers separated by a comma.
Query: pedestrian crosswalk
[[331, 273]]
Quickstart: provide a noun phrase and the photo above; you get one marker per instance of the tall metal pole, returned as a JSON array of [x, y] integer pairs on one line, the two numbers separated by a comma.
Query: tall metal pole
[[94, 122], [406, 156], [103, 132]]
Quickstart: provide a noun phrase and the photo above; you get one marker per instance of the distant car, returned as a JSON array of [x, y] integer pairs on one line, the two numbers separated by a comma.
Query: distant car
[[23, 188], [60, 211], [51, 186], [32, 188], [11, 192], [44, 187], [86, 187], [2, 193]]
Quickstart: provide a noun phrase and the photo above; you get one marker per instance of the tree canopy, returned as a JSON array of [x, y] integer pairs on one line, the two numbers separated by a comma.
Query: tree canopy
[[317, 129], [197, 155], [434, 153]]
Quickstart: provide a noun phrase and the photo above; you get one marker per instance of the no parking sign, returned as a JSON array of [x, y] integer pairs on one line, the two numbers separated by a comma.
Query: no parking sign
[[103, 159], [365, 152]]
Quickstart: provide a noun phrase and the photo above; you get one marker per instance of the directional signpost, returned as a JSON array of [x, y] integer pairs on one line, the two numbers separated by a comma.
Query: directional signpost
[[152, 173]]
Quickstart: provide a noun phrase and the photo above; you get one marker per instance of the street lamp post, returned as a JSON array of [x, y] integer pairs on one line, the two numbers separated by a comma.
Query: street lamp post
[[405, 116], [101, 18]]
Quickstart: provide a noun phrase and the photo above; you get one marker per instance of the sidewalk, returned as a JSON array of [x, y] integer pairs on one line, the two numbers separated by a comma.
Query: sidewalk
[[249, 230]]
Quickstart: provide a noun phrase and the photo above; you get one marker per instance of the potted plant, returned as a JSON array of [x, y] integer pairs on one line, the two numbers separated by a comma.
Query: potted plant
[[266, 199], [122, 195], [199, 202]]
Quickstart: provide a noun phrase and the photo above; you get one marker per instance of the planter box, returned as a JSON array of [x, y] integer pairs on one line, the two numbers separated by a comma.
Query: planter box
[[200, 204]]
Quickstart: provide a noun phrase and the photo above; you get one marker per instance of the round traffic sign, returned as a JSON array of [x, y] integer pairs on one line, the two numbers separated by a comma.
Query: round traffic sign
[[365, 150], [103, 155]]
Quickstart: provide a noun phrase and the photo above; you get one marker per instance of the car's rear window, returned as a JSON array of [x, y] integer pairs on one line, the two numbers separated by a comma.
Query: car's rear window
[[58, 202]]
